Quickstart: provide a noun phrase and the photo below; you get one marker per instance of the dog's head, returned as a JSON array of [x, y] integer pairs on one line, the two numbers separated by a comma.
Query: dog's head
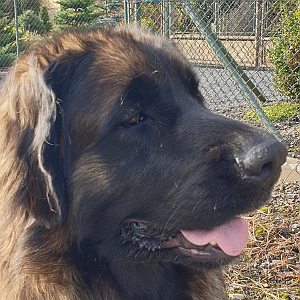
[[117, 143]]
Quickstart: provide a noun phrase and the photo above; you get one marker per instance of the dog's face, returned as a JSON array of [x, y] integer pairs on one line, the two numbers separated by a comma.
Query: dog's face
[[150, 173]]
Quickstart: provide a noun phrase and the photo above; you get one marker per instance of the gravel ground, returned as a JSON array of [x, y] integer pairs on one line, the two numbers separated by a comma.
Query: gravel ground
[[270, 266], [220, 90]]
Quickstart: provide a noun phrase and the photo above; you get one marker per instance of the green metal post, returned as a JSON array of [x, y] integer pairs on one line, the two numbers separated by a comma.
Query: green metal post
[[166, 15], [126, 12]]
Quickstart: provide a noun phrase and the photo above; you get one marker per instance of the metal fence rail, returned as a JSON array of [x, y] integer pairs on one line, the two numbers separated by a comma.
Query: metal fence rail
[[262, 37]]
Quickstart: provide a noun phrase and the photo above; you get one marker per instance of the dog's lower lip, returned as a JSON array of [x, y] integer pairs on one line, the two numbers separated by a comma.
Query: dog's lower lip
[[194, 252], [146, 236], [210, 251], [207, 253]]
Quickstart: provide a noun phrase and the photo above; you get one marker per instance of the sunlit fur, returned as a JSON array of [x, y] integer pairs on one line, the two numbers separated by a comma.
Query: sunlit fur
[[72, 170]]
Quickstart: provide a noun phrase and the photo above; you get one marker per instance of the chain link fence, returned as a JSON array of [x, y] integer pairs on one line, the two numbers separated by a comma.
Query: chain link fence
[[259, 42], [261, 37]]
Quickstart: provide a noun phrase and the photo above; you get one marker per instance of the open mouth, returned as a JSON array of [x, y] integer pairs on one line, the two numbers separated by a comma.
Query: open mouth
[[222, 242]]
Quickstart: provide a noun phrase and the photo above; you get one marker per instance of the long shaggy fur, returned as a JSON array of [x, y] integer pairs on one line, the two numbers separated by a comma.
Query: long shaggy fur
[[73, 168]]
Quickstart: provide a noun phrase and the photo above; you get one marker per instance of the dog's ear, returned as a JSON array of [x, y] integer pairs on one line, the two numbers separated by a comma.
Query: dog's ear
[[59, 72], [32, 163]]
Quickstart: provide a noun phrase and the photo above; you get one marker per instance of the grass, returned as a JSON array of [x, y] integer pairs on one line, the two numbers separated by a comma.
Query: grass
[[276, 112]]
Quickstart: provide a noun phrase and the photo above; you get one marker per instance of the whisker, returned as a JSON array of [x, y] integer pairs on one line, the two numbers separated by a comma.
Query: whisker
[[169, 219]]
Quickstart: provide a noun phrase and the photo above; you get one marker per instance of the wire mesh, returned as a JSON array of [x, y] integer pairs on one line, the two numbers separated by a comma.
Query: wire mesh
[[251, 31], [262, 36]]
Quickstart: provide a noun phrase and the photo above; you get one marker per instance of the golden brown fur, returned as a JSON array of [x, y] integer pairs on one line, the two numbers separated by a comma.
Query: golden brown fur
[[39, 240]]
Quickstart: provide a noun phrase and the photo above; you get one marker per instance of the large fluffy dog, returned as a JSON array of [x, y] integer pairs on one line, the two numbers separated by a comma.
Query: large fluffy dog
[[116, 182]]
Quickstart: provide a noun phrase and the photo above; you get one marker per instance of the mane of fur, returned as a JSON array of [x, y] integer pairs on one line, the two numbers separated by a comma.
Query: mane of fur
[[27, 111]]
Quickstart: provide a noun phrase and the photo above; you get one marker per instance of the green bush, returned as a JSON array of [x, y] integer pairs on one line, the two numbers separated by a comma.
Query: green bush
[[31, 22], [7, 7], [285, 52], [76, 13], [151, 17], [8, 53], [25, 5], [276, 113], [7, 31], [44, 16], [7, 42], [6, 59], [31, 26]]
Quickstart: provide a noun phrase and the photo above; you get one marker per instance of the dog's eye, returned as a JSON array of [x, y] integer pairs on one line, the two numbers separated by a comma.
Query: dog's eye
[[136, 119]]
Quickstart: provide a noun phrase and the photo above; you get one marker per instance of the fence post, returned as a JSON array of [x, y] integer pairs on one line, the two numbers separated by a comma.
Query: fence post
[[17, 27], [126, 12], [258, 32], [166, 16], [216, 16]]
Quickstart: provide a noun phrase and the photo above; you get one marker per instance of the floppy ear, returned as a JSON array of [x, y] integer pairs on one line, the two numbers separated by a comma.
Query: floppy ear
[[33, 174]]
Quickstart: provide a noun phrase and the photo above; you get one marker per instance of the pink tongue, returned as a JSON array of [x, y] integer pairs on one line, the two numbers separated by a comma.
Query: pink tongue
[[231, 237]]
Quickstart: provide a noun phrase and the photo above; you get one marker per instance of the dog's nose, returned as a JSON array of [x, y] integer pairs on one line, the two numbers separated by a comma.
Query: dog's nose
[[262, 162]]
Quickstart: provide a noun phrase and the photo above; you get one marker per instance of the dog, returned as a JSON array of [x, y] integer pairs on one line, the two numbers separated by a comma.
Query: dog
[[116, 181]]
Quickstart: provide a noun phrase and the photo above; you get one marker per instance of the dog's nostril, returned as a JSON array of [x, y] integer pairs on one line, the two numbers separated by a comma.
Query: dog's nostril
[[256, 170], [261, 172], [262, 162], [266, 168]]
